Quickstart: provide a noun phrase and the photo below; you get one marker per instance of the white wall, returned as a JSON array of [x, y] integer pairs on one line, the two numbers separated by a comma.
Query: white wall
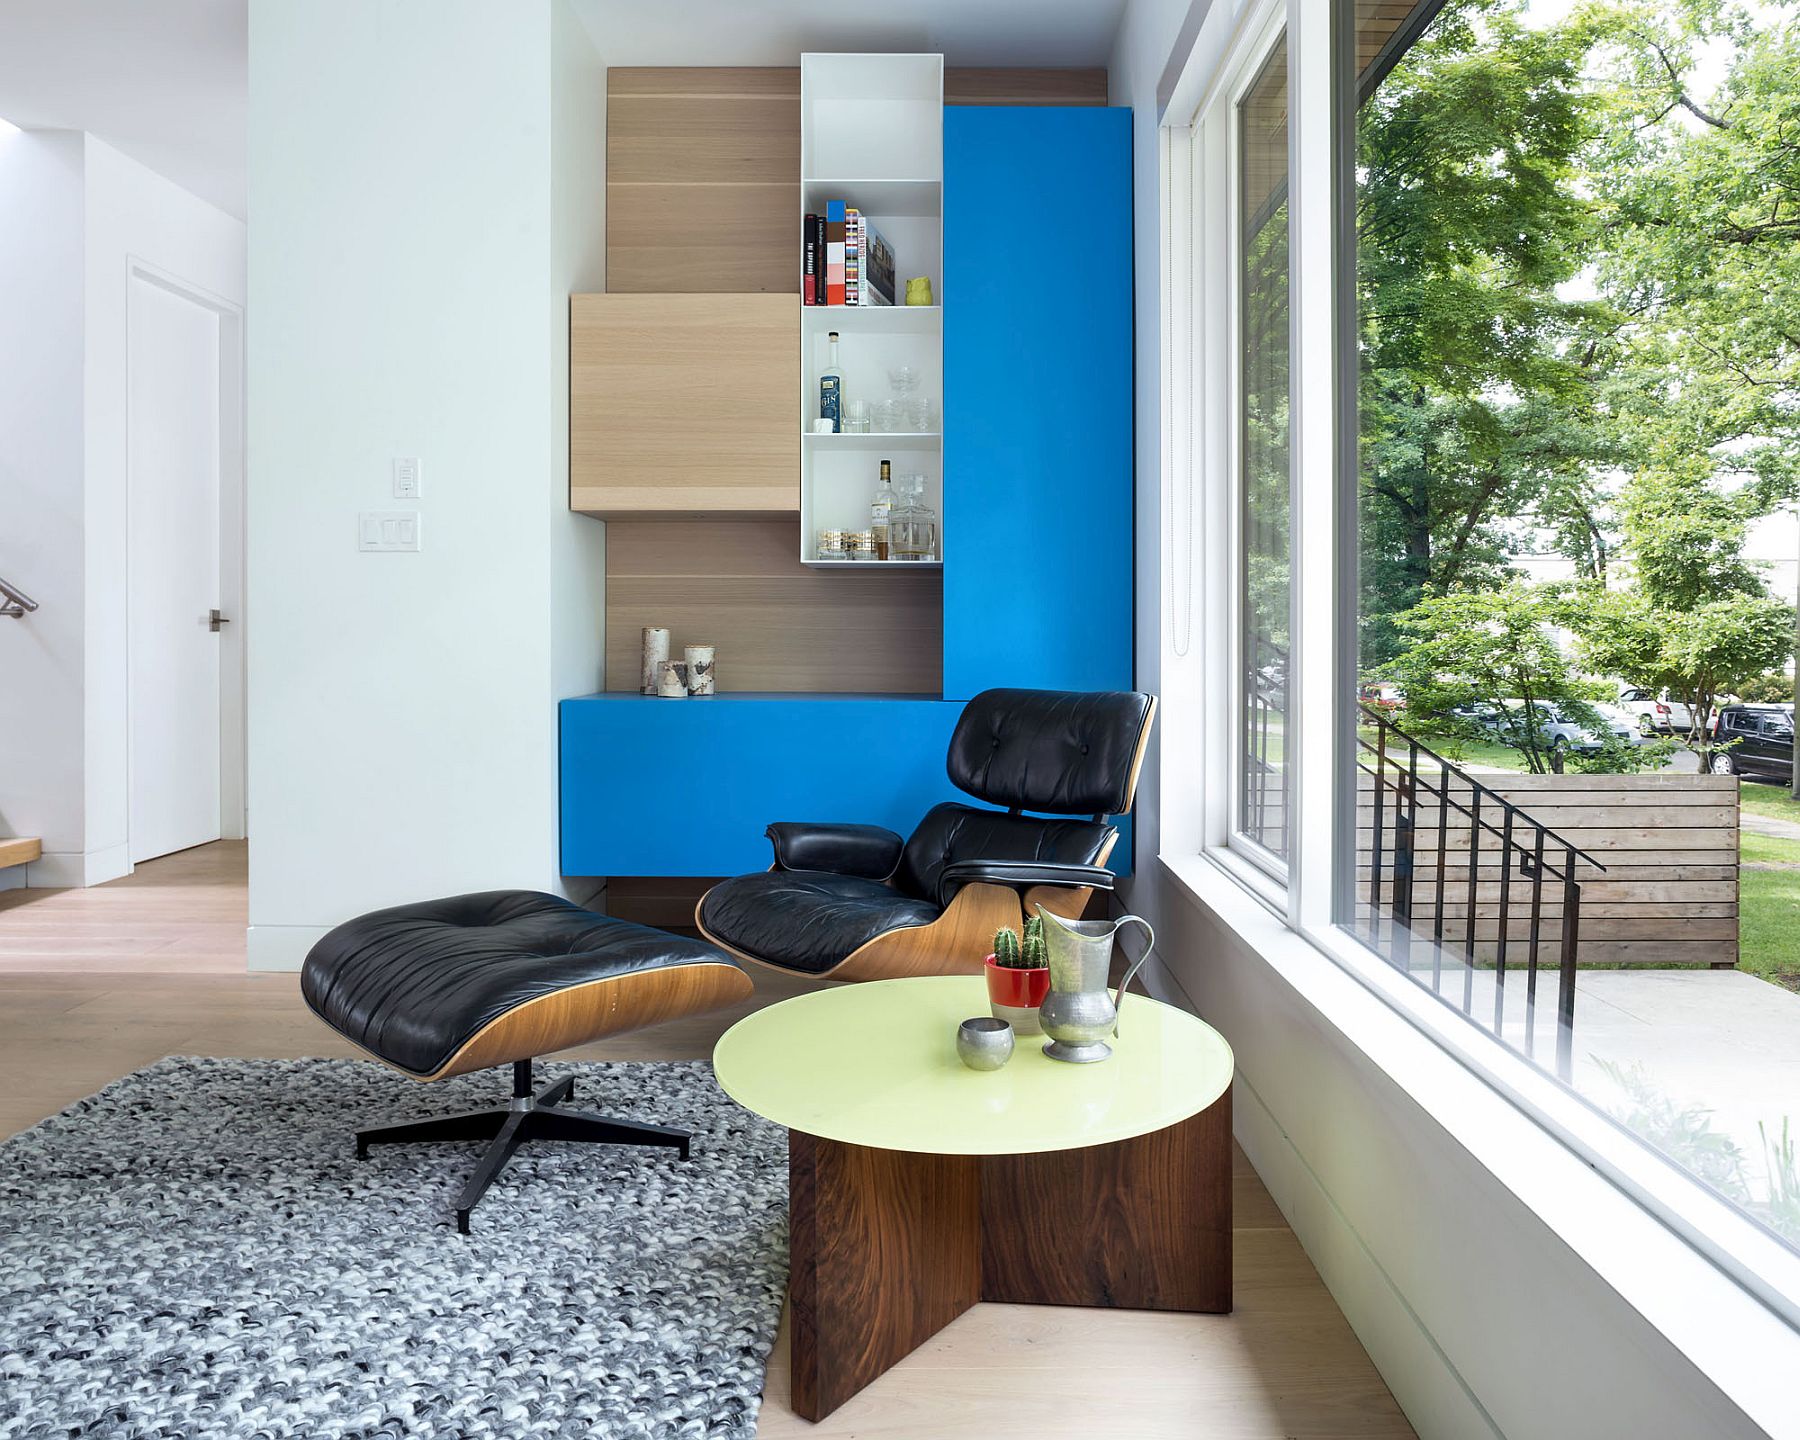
[[577, 266], [77, 214], [409, 277], [1385, 1155], [41, 490]]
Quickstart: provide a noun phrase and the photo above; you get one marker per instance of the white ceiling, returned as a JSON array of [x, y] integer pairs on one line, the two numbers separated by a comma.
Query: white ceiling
[[774, 32], [166, 81]]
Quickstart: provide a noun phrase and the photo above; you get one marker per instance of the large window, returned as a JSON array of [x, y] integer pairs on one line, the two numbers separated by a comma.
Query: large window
[[1484, 398], [1264, 588]]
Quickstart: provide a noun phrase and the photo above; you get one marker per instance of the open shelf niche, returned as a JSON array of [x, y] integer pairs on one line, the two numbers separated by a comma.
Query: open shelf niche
[[871, 135]]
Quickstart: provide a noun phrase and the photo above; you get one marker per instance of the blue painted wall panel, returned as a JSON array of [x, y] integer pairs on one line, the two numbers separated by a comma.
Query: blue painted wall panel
[[685, 787], [1037, 408]]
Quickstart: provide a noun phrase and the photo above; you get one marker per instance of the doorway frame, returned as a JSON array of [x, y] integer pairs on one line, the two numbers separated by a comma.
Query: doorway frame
[[233, 746]]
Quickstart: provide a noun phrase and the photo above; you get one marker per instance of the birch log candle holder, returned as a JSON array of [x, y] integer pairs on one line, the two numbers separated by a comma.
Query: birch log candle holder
[[655, 652], [671, 680], [699, 660]]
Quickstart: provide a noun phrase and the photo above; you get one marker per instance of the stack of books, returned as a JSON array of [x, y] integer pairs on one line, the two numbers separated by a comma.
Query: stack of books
[[844, 259]]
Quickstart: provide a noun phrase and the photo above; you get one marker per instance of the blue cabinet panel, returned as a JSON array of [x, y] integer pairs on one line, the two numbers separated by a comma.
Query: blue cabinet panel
[[685, 787], [1037, 399]]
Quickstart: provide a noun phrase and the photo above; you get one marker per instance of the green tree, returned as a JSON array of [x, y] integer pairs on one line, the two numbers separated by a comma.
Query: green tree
[[1476, 376], [1699, 654], [1485, 664], [1697, 204]]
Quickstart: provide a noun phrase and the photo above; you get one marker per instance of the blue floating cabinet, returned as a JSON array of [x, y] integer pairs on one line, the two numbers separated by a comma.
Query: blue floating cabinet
[[1037, 399], [685, 787]]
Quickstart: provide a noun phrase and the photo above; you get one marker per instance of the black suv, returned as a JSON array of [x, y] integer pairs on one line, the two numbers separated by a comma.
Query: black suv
[[1765, 741]]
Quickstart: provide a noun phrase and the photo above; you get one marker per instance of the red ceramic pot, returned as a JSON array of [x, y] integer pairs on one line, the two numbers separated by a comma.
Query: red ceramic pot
[[1014, 995]]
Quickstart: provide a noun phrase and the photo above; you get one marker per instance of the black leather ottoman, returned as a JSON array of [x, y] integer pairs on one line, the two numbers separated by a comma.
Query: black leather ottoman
[[448, 986]]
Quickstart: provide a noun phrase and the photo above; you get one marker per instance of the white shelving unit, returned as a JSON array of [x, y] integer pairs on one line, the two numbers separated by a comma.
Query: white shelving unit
[[872, 136]]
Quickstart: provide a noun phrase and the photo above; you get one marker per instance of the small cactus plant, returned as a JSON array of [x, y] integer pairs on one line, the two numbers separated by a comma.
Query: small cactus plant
[[1035, 955], [1006, 949]]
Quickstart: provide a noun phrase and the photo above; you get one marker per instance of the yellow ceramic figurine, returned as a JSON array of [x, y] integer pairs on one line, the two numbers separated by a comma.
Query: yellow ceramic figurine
[[918, 291]]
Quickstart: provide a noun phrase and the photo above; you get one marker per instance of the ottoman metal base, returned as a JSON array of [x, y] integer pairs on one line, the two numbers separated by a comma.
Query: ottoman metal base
[[530, 1117]]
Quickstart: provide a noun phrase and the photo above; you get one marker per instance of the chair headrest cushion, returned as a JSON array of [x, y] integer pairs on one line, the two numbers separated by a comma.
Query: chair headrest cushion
[[1061, 752]]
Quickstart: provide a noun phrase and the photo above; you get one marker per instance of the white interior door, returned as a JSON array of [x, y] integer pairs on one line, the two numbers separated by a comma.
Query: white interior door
[[173, 557]]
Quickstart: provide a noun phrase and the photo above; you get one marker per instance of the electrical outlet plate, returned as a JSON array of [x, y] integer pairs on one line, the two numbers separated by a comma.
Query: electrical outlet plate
[[406, 478], [388, 530]]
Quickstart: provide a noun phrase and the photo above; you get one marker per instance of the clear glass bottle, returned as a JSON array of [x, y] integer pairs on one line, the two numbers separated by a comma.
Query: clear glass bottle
[[912, 524], [881, 509], [831, 386]]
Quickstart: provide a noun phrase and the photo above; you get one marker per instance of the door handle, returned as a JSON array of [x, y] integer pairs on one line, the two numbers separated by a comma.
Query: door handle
[[214, 620]]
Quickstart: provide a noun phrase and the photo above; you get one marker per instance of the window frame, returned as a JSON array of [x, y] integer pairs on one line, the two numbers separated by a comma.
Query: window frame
[[1201, 486]]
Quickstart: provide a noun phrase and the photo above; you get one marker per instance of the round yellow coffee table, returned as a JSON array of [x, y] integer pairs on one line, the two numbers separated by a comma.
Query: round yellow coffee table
[[918, 1187]]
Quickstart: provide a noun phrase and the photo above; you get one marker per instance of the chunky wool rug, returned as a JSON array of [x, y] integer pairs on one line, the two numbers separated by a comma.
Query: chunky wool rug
[[196, 1252]]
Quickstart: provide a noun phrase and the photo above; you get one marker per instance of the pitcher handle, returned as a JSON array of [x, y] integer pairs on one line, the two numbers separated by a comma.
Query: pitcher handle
[[1149, 944]]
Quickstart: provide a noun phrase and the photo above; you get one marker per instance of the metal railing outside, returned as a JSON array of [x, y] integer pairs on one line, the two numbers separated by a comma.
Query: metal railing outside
[[1432, 840]]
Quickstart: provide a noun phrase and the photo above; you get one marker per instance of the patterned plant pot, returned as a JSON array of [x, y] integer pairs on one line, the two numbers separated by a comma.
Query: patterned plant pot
[[1014, 995]]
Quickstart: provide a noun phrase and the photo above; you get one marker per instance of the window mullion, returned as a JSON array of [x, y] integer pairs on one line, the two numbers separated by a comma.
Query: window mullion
[[1314, 439]]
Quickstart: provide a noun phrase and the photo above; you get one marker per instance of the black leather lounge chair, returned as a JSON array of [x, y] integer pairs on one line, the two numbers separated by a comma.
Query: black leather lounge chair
[[856, 902]]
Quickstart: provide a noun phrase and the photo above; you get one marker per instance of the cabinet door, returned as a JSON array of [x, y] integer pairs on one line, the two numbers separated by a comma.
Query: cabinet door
[[684, 404], [1037, 398]]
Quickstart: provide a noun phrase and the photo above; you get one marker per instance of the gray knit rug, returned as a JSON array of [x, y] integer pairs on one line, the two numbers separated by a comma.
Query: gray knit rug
[[196, 1251]]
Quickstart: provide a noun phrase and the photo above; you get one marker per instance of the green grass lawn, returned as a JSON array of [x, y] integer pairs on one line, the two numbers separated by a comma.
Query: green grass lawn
[[1760, 797], [1769, 909]]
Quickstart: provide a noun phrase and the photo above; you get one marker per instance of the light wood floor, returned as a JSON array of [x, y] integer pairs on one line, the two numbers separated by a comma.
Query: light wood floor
[[95, 983]]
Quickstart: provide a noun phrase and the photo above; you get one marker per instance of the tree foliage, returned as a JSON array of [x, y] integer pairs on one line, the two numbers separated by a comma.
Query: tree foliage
[[1467, 653], [1579, 299]]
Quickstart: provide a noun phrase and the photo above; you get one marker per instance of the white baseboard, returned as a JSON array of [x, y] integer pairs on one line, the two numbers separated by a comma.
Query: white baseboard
[[280, 947], [75, 870], [1426, 1385]]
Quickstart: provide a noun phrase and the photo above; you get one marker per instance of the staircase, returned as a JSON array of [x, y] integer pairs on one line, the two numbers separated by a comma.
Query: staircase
[[1456, 886]]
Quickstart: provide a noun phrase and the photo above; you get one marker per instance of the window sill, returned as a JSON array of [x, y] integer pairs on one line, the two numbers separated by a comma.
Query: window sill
[[1669, 1250]]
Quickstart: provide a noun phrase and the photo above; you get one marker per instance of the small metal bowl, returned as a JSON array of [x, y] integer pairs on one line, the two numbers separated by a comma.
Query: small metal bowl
[[984, 1043]]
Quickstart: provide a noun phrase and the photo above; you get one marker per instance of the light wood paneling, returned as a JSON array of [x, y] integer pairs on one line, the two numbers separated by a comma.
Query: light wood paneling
[[684, 404], [703, 181], [968, 86], [777, 625], [703, 169]]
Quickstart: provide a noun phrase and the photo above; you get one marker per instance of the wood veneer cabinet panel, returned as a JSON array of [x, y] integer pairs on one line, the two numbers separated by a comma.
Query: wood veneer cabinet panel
[[684, 404], [778, 625]]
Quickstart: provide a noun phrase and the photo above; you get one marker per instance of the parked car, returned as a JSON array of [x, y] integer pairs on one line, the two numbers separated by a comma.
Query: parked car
[[1764, 736], [1382, 695], [1559, 731], [1656, 713]]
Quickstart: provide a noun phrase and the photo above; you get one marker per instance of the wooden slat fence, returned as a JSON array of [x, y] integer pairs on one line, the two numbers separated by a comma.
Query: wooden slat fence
[[1668, 894]]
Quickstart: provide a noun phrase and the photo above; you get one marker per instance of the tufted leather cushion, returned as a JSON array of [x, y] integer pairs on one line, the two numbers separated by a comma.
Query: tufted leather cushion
[[413, 983], [1061, 751], [806, 919], [951, 832]]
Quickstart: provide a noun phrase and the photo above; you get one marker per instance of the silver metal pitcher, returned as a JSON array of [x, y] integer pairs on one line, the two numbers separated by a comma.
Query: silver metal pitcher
[[1078, 1014]]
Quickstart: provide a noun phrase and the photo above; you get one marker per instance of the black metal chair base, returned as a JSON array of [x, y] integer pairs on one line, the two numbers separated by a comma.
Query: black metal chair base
[[529, 1117]]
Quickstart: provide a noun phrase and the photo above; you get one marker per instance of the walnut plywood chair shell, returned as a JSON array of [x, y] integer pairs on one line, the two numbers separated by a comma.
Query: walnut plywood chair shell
[[858, 902]]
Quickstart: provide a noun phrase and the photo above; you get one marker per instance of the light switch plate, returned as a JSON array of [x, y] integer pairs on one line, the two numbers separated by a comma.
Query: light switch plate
[[406, 478], [387, 530]]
